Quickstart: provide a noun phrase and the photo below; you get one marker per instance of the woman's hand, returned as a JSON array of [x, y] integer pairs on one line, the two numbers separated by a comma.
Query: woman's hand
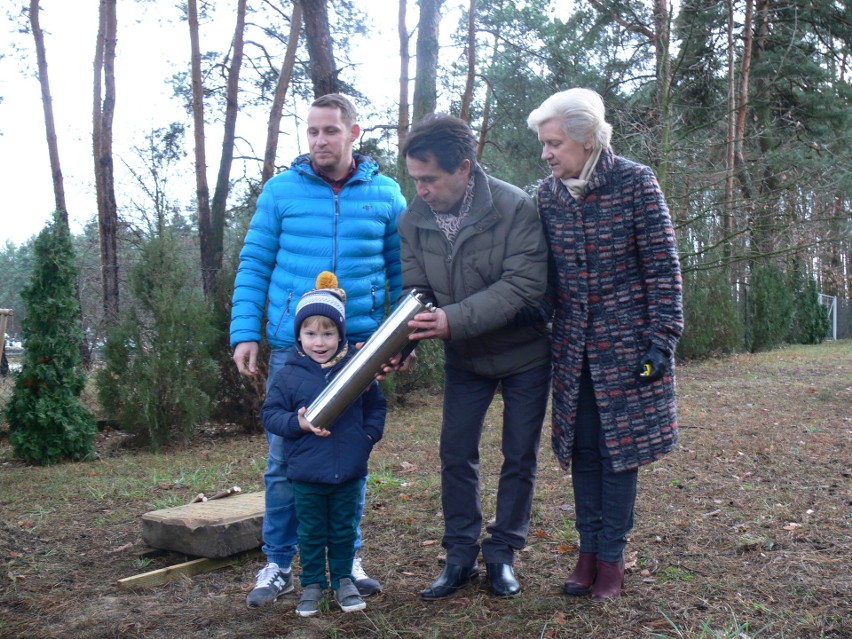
[[653, 365]]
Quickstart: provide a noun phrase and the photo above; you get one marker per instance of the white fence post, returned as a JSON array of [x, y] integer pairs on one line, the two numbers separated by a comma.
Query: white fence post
[[831, 302]]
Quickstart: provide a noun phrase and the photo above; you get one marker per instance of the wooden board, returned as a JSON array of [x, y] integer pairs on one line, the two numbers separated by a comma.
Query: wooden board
[[212, 529], [165, 575]]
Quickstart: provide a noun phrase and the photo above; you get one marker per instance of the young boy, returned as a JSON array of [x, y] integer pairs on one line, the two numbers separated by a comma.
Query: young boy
[[327, 467]]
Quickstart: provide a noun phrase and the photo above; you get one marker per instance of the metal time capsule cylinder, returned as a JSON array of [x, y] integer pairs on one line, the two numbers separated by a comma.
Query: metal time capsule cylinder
[[388, 340]]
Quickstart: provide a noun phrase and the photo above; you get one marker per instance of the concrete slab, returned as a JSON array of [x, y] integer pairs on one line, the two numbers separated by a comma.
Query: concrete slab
[[212, 529]]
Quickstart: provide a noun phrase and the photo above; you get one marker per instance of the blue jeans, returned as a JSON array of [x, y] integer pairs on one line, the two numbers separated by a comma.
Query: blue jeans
[[467, 397], [280, 524], [603, 499]]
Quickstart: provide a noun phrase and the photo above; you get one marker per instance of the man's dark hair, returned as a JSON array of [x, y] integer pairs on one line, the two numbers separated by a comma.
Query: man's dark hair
[[447, 138], [338, 101]]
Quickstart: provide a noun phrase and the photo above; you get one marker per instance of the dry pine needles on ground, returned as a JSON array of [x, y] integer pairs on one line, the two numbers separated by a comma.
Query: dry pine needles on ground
[[744, 531]]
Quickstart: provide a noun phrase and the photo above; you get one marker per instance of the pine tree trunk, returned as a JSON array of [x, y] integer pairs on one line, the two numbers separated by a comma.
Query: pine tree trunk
[[467, 97], [202, 190], [404, 62], [223, 179], [103, 110], [47, 105], [425, 80], [284, 77], [323, 69], [663, 90]]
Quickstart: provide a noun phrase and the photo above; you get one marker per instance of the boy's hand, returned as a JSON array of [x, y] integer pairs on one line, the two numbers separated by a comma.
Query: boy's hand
[[308, 427], [395, 365]]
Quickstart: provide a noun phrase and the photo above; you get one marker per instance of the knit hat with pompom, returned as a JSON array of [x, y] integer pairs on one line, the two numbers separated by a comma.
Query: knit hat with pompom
[[327, 299]]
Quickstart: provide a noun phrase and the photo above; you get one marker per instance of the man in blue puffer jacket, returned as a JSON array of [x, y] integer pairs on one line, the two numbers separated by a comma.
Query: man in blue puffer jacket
[[331, 211]]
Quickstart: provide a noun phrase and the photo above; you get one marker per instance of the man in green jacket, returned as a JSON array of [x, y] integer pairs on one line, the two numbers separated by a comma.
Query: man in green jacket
[[475, 245]]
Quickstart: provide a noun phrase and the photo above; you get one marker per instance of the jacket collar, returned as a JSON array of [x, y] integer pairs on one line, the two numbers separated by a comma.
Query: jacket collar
[[482, 212], [367, 167]]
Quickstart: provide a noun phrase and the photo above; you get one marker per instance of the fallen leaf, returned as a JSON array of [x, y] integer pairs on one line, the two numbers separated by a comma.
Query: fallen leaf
[[559, 617]]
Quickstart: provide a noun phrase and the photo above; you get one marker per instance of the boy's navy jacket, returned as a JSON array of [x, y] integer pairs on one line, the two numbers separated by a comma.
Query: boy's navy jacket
[[340, 457]]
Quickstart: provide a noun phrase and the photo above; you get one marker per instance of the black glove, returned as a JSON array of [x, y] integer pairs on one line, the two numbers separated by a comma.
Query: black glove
[[653, 365]]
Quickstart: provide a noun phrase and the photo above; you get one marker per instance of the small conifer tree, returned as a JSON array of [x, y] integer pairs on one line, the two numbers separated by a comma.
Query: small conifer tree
[[712, 324], [47, 422], [159, 376], [810, 321], [771, 306]]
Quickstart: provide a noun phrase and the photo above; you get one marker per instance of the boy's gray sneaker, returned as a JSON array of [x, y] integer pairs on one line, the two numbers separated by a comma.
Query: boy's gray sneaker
[[272, 582], [348, 597], [366, 585], [309, 601]]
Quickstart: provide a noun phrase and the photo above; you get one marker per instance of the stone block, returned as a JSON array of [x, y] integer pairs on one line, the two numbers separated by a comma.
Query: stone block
[[214, 529]]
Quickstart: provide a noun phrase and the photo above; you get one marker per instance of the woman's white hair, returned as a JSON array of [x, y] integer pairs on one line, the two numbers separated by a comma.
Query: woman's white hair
[[582, 114]]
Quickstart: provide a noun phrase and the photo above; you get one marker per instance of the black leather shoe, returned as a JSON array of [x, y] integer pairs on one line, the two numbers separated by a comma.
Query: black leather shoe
[[503, 581], [452, 577]]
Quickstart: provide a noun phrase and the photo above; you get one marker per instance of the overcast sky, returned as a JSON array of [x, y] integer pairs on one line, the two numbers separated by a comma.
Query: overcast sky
[[146, 47]]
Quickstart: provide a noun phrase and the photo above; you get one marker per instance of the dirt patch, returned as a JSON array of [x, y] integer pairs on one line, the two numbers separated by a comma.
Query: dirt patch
[[744, 531]]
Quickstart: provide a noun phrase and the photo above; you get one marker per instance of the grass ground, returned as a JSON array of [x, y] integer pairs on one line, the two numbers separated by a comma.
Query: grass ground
[[744, 531]]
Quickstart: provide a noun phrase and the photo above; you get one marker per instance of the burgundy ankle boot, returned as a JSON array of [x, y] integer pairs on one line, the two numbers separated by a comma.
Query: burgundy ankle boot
[[580, 581], [609, 580]]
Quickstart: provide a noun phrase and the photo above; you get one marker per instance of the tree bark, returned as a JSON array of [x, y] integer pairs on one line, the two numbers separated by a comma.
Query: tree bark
[[103, 111], [213, 262], [323, 69], [284, 77], [762, 222], [485, 129], [663, 89], [425, 80], [404, 62], [730, 145], [47, 106], [743, 99], [202, 190], [467, 96]]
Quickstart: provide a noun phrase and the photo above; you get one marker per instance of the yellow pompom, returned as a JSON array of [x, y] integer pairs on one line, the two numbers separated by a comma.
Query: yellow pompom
[[326, 279]]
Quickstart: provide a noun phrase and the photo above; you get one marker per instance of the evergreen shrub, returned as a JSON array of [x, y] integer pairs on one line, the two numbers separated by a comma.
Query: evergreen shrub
[[427, 373], [771, 306], [810, 321], [159, 374], [712, 323], [47, 421], [238, 397]]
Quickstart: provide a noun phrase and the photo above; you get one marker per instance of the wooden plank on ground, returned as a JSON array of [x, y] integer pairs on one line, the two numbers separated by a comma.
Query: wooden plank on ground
[[165, 575]]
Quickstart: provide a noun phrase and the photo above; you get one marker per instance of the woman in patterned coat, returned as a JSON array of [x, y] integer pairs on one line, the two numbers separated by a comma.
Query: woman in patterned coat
[[615, 291]]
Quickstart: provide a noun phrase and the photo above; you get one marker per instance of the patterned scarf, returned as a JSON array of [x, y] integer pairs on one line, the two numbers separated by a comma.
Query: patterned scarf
[[449, 221], [576, 185]]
